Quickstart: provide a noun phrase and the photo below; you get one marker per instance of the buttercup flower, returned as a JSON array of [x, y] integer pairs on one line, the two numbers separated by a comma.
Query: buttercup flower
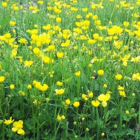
[[118, 77], [67, 101], [78, 73], [100, 72], [76, 104], [95, 103], [12, 86], [2, 78], [7, 122], [17, 127]]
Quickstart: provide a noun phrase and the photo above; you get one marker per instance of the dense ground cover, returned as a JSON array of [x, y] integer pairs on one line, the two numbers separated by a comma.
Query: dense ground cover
[[69, 69]]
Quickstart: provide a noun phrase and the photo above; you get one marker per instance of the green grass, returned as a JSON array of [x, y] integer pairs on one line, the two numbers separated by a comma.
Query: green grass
[[74, 78]]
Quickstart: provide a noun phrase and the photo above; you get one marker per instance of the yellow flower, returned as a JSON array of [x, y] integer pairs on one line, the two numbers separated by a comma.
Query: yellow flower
[[12, 86], [118, 77], [67, 101], [59, 91], [59, 117], [78, 73], [60, 54], [2, 78], [122, 93], [96, 36], [58, 19], [28, 63], [95, 103], [120, 87], [100, 72], [17, 127], [7, 122], [12, 23], [66, 44], [22, 41], [47, 100], [127, 112], [126, 23], [58, 83], [103, 97], [102, 134], [44, 87], [105, 85], [76, 104], [40, 2], [104, 104], [63, 117], [36, 51], [90, 94], [29, 86], [84, 9], [134, 77], [14, 53], [4, 4]]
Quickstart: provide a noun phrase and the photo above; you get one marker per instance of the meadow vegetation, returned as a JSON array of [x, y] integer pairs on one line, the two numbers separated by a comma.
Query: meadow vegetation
[[69, 69]]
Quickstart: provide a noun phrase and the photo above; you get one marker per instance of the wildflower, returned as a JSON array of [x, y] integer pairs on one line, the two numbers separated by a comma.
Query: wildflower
[[126, 23], [96, 36], [36, 51], [29, 86], [105, 85], [90, 94], [46, 59], [59, 117], [59, 91], [67, 101], [58, 19], [84, 9], [127, 112], [12, 86], [17, 127], [95, 103], [22, 41], [66, 44], [78, 73], [84, 96], [47, 100], [2, 78], [16, 8], [12, 23], [60, 54], [35, 102], [120, 87], [7, 122], [118, 77], [104, 104], [122, 93], [102, 134], [134, 77], [4, 4], [103, 97], [76, 104], [100, 72], [28, 63], [44, 87], [51, 48], [40, 2], [22, 93], [14, 53], [63, 117], [58, 83]]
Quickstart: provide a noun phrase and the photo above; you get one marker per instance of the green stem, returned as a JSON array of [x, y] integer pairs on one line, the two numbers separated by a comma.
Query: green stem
[[98, 124]]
